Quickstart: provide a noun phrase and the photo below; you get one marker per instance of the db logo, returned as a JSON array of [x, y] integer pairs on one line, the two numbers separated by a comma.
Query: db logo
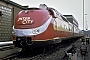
[[25, 20]]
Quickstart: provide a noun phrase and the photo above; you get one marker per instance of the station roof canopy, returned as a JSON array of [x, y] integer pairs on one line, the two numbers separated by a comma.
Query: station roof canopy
[[71, 19], [70, 16]]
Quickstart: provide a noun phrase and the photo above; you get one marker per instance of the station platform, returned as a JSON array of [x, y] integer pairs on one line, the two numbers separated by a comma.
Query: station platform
[[78, 55], [6, 43]]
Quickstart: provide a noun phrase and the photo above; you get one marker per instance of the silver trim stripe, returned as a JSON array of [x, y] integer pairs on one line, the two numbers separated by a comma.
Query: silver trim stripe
[[34, 31]]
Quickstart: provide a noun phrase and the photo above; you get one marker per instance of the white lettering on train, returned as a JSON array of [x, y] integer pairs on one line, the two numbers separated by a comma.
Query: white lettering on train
[[25, 20]]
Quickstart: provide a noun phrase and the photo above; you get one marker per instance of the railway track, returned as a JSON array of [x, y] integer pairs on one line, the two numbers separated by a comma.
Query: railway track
[[8, 51], [35, 55]]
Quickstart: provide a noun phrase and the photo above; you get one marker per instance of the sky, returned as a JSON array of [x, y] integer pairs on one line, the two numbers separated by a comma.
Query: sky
[[65, 7]]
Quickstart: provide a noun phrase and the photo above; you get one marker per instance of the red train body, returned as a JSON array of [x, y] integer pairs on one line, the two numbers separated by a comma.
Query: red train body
[[39, 27]]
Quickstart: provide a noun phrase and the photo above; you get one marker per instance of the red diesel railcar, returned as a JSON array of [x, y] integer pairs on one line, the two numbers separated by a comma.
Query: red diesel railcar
[[41, 26]]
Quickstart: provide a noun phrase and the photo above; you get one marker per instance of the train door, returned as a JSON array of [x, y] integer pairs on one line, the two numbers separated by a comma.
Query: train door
[[55, 27], [70, 29]]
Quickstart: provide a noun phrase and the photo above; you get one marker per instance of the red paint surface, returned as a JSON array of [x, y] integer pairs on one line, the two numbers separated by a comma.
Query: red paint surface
[[38, 16]]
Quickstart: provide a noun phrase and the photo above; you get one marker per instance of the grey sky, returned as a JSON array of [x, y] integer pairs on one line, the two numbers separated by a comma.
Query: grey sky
[[74, 7]]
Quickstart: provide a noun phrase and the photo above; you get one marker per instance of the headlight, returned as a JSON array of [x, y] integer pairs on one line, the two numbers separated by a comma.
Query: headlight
[[18, 39], [26, 11], [13, 32]]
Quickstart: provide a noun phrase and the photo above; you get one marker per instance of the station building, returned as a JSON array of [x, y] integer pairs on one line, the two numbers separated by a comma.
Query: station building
[[8, 12]]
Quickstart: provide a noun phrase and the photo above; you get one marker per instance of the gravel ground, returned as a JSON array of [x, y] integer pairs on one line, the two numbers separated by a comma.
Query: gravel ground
[[57, 55]]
